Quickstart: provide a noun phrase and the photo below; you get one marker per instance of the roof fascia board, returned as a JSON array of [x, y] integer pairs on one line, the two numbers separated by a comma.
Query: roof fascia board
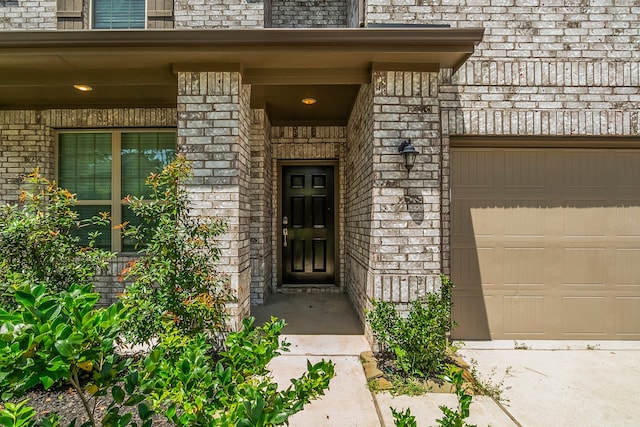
[[252, 37]]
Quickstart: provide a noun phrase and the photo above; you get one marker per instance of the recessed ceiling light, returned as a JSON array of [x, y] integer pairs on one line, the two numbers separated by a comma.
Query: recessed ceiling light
[[309, 101], [83, 88]]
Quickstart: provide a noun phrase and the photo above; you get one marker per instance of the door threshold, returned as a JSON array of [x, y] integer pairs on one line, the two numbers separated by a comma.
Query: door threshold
[[320, 287]]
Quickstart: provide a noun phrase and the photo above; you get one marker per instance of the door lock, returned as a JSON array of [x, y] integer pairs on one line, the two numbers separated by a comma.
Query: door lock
[[285, 233]]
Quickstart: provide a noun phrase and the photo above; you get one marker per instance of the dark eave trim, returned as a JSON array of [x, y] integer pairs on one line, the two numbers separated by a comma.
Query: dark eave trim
[[351, 37]]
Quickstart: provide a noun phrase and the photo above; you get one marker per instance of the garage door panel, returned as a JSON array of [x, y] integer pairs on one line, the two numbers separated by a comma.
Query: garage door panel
[[524, 169], [626, 169], [584, 169], [524, 266], [471, 306], [476, 170], [627, 267], [627, 311], [583, 316], [524, 315], [477, 217], [585, 218], [485, 217], [549, 241], [583, 266], [467, 275], [524, 217], [628, 219]]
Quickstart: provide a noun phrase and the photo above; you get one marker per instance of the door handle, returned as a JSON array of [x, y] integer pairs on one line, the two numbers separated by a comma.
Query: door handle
[[285, 233]]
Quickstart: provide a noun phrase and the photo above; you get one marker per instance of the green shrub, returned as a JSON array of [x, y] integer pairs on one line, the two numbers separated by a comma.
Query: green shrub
[[21, 415], [418, 341], [192, 388], [403, 418], [56, 339], [175, 279], [457, 417], [38, 240]]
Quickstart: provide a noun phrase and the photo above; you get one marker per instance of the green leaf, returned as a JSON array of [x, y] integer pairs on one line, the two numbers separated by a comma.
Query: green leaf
[[64, 348], [131, 381], [171, 411], [133, 400], [118, 394], [46, 381], [124, 421], [144, 411], [25, 298]]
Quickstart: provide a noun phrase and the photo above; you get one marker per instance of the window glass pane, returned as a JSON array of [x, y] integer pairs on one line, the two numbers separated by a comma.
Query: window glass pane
[[144, 153], [131, 219], [118, 14], [85, 212], [84, 165]]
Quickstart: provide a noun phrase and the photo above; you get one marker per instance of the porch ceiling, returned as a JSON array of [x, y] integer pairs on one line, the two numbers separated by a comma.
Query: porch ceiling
[[138, 68]]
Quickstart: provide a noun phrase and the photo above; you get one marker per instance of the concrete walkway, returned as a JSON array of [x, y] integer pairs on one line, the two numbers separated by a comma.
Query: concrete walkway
[[548, 385]]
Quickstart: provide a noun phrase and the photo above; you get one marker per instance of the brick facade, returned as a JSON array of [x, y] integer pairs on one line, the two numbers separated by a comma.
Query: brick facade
[[359, 193], [262, 188], [308, 14], [406, 205], [30, 15], [551, 69], [214, 121], [559, 68], [200, 14]]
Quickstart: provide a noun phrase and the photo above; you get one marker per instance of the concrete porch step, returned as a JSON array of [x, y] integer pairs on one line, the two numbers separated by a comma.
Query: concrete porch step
[[326, 345]]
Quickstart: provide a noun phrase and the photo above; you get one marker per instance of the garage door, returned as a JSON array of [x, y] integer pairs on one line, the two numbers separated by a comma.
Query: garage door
[[546, 243]]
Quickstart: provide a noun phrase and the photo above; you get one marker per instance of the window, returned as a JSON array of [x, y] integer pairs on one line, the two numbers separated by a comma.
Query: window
[[104, 167], [118, 14]]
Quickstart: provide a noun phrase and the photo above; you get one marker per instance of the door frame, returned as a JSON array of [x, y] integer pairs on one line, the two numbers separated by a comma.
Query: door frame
[[337, 220]]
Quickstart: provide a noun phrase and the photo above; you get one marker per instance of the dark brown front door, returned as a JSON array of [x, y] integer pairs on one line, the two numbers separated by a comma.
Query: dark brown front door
[[307, 221]]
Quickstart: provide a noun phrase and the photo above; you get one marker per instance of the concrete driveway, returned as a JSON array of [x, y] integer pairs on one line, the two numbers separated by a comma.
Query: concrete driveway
[[567, 383], [551, 383]]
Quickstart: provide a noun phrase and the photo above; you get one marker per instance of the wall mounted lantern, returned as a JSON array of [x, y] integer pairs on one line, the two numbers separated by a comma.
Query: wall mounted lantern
[[408, 152]]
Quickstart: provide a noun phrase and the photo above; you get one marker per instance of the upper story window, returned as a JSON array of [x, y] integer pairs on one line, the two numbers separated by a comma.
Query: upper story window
[[103, 167], [118, 14]]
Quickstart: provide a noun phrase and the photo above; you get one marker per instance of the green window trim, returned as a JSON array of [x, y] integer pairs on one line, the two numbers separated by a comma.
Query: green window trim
[[102, 167]]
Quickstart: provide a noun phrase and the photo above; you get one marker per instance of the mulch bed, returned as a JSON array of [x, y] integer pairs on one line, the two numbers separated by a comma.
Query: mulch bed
[[380, 367], [66, 403]]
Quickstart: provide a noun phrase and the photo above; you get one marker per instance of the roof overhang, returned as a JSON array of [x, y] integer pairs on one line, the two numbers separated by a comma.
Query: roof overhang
[[138, 67]]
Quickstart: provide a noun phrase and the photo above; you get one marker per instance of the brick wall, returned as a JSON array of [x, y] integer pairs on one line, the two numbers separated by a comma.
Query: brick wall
[[214, 120], [203, 14], [559, 68], [309, 13], [406, 237], [359, 196], [23, 15], [27, 141], [262, 208], [311, 143]]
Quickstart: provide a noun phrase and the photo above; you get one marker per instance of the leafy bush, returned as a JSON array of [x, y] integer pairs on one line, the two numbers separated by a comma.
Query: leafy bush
[[38, 240], [418, 342], [175, 279], [457, 417], [403, 418], [21, 415], [191, 388], [51, 333], [58, 338]]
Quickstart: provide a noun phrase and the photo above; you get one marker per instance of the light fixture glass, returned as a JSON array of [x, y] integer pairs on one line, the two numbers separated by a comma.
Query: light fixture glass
[[409, 154], [83, 88], [309, 101]]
